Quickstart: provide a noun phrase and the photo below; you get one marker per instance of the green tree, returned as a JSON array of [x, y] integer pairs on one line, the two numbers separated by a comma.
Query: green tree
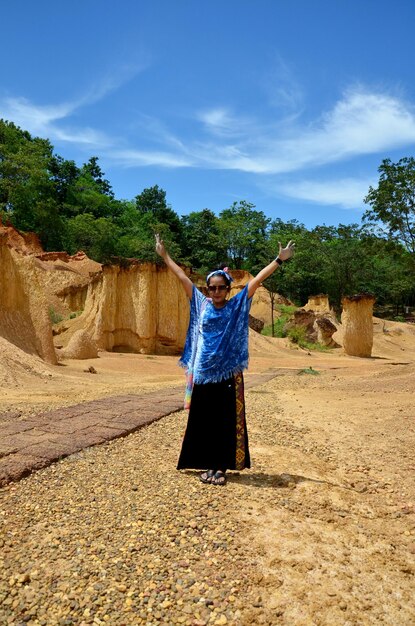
[[152, 202], [94, 170], [301, 275], [344, 263], [244, 232], [27, 193], [392, 202], [98, 238], [84, 195], [390, 273], [328, 259], [64, 175], [137, 232], [202, 245]]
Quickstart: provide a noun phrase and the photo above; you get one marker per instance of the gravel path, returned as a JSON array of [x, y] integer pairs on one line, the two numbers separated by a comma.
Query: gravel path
[[114, 535], [321, 532]]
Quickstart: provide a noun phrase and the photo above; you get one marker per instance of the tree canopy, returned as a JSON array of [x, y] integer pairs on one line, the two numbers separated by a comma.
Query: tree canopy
[[392, 202]]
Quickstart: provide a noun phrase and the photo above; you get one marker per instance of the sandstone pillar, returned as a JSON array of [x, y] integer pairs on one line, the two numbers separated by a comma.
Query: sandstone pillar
[[357, 325], [319, 303]]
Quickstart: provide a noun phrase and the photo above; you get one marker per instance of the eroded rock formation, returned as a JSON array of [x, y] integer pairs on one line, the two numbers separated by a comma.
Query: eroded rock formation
[[140, 308], [24, 243], [65, 279], [325, 331], [256, 324], [319, 303], [319, 326], [24, 318], [304, 319], [357, 322]]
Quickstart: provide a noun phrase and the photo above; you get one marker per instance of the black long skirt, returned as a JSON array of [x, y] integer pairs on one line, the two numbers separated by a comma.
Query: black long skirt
[[216, 436]]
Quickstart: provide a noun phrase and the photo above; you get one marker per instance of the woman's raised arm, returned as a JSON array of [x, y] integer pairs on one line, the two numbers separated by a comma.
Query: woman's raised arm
[[184, 279], [283, 255]]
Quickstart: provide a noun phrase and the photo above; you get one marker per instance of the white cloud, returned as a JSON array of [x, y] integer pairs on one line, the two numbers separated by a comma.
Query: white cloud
[[282, 86], [49, 120], [215, 118], [360, 123], [32, 116], [139, 158], [155, 130], [347, 193], [222, 123], [363, 123], [112, 80]]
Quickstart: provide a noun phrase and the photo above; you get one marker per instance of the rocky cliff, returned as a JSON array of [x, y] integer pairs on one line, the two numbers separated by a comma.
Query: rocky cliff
[[24, 318], [140, 308]]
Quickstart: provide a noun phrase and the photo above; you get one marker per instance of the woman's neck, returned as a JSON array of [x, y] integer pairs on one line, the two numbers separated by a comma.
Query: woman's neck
[[220, 306]]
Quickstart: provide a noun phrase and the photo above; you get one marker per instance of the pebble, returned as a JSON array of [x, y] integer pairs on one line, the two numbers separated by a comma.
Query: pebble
[[115, 535]]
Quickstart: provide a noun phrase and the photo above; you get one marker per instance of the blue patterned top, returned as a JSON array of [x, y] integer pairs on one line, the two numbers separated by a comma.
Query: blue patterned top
[[216, 345]]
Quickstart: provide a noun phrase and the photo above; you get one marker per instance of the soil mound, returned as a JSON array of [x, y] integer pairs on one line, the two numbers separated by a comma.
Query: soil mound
[[261, 344], [17, 367], [80, 346], [394, 340]]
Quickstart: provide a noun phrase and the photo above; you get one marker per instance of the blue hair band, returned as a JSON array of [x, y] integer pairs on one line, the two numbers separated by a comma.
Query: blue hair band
[[219, 273]]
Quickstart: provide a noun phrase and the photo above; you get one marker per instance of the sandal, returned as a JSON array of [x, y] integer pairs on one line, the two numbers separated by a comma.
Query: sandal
[[219, 478], [206, 477]]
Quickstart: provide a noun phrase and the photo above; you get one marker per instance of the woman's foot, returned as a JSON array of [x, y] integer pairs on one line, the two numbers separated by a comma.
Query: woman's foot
[[219, 478], [206, 477]]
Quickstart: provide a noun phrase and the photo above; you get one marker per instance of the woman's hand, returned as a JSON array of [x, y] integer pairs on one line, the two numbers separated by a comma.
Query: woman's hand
[[287, 252], [160, 249]]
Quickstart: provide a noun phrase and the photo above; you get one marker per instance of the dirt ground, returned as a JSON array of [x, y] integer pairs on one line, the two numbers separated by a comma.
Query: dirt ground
[[328, 509]]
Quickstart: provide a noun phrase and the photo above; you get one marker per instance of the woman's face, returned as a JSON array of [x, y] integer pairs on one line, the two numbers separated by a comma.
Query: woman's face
[[218, 290]]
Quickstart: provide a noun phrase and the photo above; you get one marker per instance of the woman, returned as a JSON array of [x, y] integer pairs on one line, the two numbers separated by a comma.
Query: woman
[[215, 354]]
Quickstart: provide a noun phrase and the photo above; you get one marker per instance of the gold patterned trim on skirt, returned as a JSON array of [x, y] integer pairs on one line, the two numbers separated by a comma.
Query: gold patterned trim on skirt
[[240, 421]]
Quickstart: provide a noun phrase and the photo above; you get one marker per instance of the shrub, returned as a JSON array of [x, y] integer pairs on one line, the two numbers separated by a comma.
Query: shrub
[[279, 324], [297, 334], [309, 370], [279, 330], [55, 317]]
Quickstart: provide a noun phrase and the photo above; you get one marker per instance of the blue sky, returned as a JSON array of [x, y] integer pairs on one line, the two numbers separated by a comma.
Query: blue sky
[[289, 105]]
